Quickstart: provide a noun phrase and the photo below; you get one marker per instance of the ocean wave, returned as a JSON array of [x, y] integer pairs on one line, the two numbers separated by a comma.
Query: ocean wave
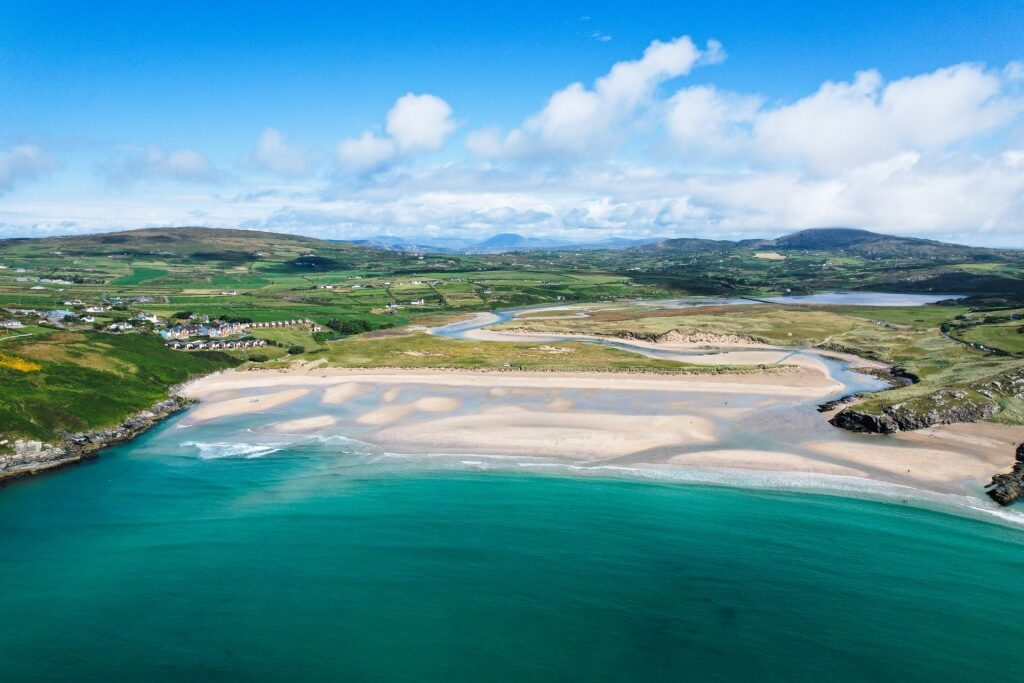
[[765, 480], [216, 450]]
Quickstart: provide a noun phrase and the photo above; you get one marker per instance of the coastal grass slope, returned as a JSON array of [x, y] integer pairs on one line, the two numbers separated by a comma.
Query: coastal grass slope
[[952, 381], [65, 382]]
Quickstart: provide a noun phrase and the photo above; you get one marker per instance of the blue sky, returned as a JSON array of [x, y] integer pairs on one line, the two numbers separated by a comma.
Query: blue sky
[[399, 118]]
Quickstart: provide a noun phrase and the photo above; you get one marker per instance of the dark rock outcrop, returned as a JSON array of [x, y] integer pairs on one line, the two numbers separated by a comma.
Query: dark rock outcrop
[[829, 406], [1006, 489], [944, 406], [31, 457]]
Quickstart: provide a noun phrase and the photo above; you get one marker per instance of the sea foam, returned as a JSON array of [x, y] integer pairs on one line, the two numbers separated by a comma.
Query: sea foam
[[215, 450]]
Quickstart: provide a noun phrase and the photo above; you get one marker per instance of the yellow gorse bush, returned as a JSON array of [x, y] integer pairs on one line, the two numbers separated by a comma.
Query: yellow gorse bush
[[19, 364]]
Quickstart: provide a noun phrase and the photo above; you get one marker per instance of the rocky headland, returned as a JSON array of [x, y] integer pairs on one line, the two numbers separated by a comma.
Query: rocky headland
[[970, 403], [31, 457], [1006, 489]]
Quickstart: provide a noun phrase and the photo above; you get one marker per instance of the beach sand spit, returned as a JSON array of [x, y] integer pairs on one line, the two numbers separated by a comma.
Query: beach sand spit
[[244, 404]]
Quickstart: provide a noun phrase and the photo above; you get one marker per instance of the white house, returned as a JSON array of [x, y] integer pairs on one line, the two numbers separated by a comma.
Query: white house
[[11, 324]]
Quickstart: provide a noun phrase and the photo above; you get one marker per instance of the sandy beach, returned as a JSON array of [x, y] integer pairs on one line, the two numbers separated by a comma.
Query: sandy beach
[[763, 422], [244, 404]]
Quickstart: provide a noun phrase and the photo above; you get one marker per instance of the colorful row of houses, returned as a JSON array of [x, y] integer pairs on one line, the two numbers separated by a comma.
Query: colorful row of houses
[[212, 331], [215, 345], [285, 323], [184, 332]]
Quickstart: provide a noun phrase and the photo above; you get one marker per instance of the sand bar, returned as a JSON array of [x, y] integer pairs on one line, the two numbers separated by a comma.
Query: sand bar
[[534, 414], [305, 424], [799, 383], [242, 405]]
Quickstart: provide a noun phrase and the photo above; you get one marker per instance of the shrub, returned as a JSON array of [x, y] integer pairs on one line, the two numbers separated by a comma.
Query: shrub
[[349, 326], [296, 348], [259, 358]]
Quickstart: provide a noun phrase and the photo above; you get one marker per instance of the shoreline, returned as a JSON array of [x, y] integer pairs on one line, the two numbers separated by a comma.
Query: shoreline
[[947, 460], [77, 448], [767, 481]]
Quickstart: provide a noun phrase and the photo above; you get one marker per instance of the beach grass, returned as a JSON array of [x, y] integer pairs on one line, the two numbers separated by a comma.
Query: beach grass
[[907, 337], [419, 350]]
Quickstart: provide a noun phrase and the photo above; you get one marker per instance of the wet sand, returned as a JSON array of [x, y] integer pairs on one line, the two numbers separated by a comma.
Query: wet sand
[[242, 405], [759, 422]]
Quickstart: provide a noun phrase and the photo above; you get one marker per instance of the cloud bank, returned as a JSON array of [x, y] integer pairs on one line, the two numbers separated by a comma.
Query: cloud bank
[[640, 151]]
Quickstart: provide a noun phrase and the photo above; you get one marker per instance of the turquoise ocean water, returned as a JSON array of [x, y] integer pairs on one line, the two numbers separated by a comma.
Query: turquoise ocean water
[[316, 563]]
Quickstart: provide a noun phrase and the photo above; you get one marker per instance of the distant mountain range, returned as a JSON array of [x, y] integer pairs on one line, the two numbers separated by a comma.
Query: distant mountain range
[[497, 244], [239, 245], [853, 241]]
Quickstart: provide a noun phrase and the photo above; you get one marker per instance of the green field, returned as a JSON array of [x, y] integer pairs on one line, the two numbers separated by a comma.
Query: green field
[[140, 276], [75, 381], [278, 277], [1007, 337]]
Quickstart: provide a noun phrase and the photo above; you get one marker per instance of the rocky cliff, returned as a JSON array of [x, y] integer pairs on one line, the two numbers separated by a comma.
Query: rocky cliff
[[1008, 488], [944, 406], [31, 457], [970, 403]]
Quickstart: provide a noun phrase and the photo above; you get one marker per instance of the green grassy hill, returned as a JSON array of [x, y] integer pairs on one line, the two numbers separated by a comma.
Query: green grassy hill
[[74, 381]]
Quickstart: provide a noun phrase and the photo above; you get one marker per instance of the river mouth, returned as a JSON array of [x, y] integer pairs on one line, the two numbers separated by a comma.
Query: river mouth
[[850, 373]]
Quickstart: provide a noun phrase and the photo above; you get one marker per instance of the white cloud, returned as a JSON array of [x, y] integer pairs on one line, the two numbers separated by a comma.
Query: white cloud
[[22, 163], [577, 120], [704, 119], [935, 154], [415, 123], [365, 153], [963, 197], [273, 153], [183, 165], [420, 122], [843, 125]]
